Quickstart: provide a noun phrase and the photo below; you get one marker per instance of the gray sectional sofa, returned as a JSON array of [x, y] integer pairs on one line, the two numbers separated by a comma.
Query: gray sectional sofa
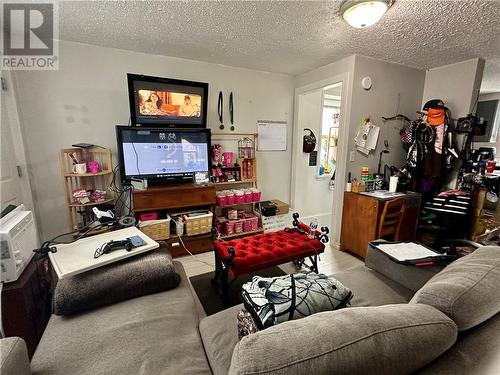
[[396, 325]]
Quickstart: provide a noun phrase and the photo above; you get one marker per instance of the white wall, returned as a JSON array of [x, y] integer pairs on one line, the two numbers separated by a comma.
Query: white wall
[[396, 89], [346, 65], [87, 97], [456, 84]]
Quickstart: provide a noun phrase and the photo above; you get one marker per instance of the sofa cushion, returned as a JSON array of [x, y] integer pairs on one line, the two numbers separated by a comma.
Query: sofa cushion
[[14, 357], [143, 274], [220, 334], [476, 352], [371, 288], [468, 290], [358, 340], [153, 334]]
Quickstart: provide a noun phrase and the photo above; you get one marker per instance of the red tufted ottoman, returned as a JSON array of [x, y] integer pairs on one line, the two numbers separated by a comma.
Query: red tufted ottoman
[[261, 251]]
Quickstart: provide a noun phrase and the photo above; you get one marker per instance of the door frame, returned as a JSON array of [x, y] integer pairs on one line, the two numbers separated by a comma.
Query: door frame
[[14, 123], [343, 148]]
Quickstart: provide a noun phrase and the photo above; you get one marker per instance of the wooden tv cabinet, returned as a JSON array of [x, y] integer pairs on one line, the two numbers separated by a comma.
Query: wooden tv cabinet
[[179, 197]]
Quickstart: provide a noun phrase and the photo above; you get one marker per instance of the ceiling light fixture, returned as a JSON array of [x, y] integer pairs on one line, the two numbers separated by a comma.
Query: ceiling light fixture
[[364, 13]]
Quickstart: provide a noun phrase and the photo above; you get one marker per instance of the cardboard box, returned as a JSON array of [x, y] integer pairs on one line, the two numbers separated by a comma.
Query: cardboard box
[[281, 207]]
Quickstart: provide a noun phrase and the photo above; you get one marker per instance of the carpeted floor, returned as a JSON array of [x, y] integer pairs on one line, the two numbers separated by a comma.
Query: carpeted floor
[[212, 301]]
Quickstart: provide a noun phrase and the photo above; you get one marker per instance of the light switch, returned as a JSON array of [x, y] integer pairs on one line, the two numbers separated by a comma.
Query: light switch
[[352, 155]]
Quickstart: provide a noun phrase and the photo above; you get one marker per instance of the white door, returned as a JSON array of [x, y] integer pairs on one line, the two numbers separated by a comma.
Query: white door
[[14, 183], [9, 180]]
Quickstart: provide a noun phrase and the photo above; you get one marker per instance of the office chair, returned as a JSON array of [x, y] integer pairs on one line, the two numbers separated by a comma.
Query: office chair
[[391, 219]]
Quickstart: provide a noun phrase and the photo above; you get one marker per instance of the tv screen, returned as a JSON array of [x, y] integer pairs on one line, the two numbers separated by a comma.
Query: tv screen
[[162, 154], [167, 102]]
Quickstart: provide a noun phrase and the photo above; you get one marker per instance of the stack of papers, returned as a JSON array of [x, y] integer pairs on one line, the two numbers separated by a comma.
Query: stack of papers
[[404, 251], [383, 194]]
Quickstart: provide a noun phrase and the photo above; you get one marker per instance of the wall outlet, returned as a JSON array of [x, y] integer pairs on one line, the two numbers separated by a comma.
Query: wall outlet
[[352, 155]]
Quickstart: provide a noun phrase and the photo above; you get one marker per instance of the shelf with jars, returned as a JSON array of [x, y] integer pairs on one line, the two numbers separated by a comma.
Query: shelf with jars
[[234, 170]]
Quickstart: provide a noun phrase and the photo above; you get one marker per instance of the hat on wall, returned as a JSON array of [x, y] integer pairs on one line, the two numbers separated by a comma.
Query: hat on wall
[[436, 116], [434, 103]]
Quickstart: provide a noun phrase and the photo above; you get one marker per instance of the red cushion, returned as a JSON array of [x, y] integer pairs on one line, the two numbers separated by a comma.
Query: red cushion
[[262, 251]]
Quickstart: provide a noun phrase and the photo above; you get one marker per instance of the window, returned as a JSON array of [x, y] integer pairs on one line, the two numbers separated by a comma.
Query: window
[[329, 135]]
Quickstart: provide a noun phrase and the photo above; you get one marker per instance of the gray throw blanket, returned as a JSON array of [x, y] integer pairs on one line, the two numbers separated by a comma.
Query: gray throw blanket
[[143, 274], [278, 299]]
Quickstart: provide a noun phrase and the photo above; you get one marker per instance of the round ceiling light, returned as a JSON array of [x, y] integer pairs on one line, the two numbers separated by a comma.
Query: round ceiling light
[[364, 13]]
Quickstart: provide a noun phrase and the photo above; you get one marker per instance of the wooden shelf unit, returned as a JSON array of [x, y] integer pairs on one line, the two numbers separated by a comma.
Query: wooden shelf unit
[[236, 235], [225, 137], [80, 214]]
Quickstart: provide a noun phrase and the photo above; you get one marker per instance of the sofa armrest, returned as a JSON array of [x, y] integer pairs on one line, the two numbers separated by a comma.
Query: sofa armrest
[[14, 358], [409, 276]]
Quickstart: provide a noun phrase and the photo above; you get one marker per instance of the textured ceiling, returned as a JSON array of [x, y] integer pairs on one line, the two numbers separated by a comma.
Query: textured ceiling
[[289, 37]]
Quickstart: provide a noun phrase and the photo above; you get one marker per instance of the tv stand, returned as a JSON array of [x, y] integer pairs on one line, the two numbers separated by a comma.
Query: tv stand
[[175, 197]]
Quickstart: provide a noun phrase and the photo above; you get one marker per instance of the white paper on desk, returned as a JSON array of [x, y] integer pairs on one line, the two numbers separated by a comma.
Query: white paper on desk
[[271, 135], [406, 251], [382, 194]]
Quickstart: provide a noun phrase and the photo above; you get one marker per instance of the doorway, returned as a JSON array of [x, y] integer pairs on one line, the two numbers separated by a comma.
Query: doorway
[[15, 187], [318, 177]]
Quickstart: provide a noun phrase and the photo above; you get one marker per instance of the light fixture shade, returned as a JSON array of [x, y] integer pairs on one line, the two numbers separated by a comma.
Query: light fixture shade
[[365, 13]]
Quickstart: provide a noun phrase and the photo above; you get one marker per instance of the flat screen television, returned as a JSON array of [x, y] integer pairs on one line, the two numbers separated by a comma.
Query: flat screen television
[[166, 102], [162, 155]]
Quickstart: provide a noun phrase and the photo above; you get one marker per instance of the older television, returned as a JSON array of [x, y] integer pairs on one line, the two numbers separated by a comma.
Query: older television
[[162, 155], [167, 102]]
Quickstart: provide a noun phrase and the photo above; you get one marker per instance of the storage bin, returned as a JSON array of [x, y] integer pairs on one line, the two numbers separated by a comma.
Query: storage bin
[[219, 224], [256, 194], [248, 196], [238, 226], [230, 199], [156, 229], [232, 214], [198, 224], [148, 216], [228, 228], [254, 223], [247, 225], [220, 199], [358, 188], [239, 197]]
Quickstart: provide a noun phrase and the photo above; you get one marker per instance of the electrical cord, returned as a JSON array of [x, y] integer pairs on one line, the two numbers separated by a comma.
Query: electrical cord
[[190, 253], [121, 205], [46, 246]]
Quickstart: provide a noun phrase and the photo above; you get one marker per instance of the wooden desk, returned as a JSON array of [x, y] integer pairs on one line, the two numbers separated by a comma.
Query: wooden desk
[[179, 197], [360, 219]]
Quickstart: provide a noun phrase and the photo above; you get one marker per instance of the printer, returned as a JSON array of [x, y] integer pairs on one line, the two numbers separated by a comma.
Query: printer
[[18, 239]]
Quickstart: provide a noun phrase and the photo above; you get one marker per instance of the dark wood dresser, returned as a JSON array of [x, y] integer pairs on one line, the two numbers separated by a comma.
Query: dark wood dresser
[[26, 304], [360, 219]]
